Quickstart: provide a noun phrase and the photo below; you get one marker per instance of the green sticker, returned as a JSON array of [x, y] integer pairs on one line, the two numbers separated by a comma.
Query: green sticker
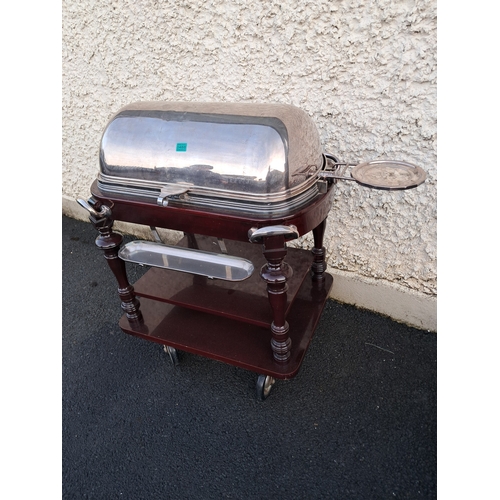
[[181, 146]]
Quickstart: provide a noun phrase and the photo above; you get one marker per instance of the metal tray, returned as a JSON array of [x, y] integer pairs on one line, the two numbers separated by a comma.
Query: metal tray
[[388, 174], [188, 260]]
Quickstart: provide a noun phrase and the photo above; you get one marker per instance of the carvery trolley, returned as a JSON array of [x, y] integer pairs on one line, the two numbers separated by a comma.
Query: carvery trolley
[[240, 181]]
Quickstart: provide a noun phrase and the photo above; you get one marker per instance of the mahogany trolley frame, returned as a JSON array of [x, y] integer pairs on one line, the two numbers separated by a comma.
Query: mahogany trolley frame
[[263, 324]]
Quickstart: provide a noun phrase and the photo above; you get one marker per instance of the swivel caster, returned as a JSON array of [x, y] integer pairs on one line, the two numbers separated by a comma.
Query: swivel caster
[[172, 353], [264, 385]]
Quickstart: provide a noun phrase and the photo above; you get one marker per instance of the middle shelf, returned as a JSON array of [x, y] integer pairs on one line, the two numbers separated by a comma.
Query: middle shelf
[[245, 301]]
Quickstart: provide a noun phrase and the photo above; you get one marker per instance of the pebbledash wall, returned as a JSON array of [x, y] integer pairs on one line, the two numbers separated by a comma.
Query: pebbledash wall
[[364, 70]]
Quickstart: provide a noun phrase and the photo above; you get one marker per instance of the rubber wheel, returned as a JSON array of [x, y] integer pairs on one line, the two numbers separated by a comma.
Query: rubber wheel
[[264, 386], [172, 353]]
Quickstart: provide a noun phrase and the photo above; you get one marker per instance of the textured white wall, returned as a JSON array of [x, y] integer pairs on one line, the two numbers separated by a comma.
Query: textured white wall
[[365, 70]]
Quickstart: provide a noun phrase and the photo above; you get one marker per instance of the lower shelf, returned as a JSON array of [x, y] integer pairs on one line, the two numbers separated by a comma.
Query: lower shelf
[[233, 342]]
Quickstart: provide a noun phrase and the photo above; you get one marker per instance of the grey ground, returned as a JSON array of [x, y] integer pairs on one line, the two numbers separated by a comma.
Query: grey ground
[[357, 422]]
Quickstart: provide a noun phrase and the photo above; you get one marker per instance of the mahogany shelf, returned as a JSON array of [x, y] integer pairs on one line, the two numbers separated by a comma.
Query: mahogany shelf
[[245, 301], [234, 342], [229, 321]]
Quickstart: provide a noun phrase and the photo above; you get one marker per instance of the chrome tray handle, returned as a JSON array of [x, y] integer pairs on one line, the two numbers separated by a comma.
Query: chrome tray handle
[[257, 235]]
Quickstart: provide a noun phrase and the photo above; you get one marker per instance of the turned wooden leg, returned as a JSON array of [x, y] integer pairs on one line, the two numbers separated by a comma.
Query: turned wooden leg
[[276, 273], [318, 267], [129, 302], [110, 242]]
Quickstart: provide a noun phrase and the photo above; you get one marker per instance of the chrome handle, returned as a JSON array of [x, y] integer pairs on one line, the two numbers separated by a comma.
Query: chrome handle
[[167, 191], [257, 235], [104, 212]]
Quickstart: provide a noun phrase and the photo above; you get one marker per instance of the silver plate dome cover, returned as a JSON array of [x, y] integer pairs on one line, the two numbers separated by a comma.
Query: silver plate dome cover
[[234, 154]]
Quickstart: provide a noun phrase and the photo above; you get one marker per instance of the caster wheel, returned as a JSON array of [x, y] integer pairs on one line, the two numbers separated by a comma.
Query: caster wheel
[[172, 353], [264, 385]]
